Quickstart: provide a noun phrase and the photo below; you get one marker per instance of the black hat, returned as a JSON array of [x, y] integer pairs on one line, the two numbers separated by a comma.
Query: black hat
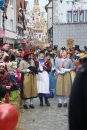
[[42, 52], [48, 54], [63, 48], [55, 47], [85, 47], [76, 47]]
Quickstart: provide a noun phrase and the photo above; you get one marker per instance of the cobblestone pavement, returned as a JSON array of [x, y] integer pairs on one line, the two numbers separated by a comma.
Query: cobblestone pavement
[[45, 118]]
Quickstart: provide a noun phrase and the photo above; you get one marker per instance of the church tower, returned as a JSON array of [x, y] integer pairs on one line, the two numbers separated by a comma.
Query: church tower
[[36, 6]]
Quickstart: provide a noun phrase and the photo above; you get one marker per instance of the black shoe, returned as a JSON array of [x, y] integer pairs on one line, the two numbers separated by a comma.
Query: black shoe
[[25, 106], [65, 104], [52, 94], [41, 101], [32, 106], [47, 103], [41, 104], [59, 105]]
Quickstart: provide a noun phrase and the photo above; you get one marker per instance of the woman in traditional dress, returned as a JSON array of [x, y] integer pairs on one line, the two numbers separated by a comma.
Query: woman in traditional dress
[[28, 83], [43, 80], [51, 71], [63, 67]]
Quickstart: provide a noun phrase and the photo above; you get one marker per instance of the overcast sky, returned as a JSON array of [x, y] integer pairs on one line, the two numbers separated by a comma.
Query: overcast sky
[[42, 4]]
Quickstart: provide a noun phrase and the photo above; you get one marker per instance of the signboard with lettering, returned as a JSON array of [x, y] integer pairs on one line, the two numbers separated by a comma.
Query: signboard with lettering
[[70, 43]]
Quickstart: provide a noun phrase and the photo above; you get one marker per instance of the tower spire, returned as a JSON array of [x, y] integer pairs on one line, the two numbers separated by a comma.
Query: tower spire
[[36, 5], [36, 1]]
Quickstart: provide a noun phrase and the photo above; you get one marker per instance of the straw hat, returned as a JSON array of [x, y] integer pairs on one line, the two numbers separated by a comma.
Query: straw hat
[[81, 55]]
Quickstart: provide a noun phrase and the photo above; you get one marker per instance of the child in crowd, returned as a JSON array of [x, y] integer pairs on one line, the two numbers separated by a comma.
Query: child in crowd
[[5, 81], [11, 67]]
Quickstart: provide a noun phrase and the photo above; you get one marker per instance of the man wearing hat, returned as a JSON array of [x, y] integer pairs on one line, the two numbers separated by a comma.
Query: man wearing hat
[[43, 80], [77, 51], [76, 55], [85, 47]]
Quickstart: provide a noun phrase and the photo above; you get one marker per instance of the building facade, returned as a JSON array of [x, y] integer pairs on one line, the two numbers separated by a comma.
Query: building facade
[[70, 22], [37, 24], [20, 18], [8, 23], [49, 10]]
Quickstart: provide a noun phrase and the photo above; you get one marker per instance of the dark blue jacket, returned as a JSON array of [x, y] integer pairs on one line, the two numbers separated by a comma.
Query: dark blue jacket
[[14, 80]]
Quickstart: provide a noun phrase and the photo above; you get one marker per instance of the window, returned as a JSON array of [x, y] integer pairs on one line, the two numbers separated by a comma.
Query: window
[[39, 35], [11, 2], [6, 23], [69, 16], [81, 16], [11, 24], [86, 15], [75, 16]]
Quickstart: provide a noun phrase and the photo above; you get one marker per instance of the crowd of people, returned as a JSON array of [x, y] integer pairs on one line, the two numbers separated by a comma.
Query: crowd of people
[[41, 73]]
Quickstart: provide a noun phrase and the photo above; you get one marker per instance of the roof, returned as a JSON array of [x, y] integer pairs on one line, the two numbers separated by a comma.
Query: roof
[[46, 7]]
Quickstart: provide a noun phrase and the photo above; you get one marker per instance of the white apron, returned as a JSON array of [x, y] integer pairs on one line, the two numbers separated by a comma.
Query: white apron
[[42, 82]]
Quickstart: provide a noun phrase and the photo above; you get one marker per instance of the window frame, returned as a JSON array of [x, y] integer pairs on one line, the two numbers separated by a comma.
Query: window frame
[[11, 2], [11, 25]]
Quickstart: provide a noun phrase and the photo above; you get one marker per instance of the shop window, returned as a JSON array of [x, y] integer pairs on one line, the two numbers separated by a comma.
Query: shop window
[[1, 42]]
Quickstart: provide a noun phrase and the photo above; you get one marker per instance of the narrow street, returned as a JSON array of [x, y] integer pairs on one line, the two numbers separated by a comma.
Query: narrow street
[[45, 118]]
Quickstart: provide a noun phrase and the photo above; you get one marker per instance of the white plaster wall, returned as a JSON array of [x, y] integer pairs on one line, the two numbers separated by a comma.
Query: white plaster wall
[[64, 7], [49, 18]]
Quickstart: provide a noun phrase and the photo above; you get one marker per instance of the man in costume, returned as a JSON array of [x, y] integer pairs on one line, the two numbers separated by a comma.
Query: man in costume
[[43, 80], [28, 79], [76, 55], [63, 67], [85, 47]]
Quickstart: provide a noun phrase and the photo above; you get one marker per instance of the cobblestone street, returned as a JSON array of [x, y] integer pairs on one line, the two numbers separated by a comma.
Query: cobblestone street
[[45, 118]]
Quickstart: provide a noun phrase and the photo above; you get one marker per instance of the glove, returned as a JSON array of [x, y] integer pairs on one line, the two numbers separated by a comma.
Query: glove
[[28, 70], [41, 68], [68, 70], [59, 72], [44, 67], [33, 69], [53, 70]]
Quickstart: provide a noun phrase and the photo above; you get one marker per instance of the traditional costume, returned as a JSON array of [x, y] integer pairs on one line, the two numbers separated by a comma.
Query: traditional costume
[[76, 55], [51, 71], [11, 67], [72, 73], [63, 68], [5, 81], [43, 80], [28, 80]]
